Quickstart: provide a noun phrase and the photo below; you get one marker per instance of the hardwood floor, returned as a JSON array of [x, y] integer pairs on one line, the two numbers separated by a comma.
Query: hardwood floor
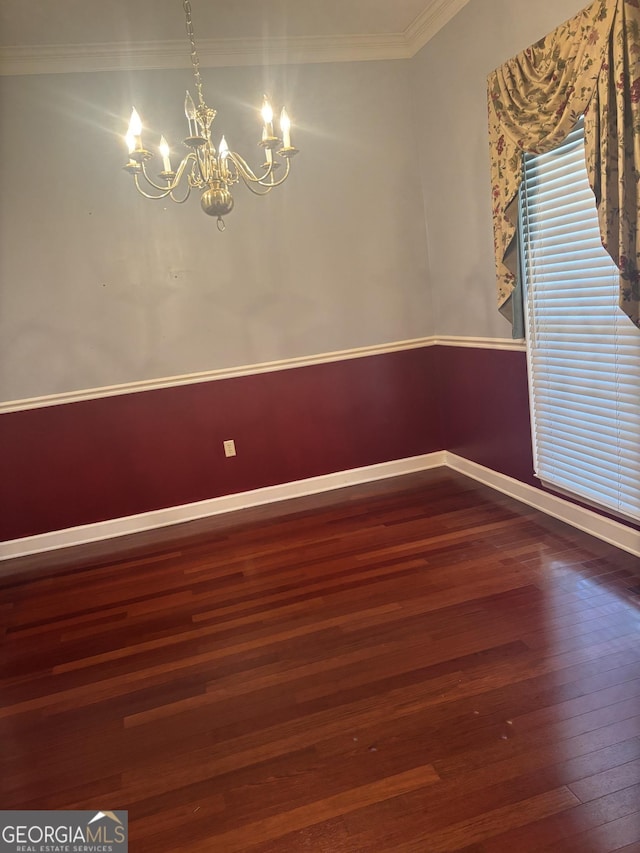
[[412, 665]]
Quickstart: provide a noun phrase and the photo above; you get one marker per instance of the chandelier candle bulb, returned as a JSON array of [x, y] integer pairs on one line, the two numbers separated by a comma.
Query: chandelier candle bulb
[[134, 134], [267, 117], [164, 151], [190, 112], [285, 127], [223, 150], [131, 145]]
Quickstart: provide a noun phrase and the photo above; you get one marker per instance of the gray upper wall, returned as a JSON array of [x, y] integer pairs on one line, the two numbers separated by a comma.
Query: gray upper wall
[[99, 286], [449, 78]]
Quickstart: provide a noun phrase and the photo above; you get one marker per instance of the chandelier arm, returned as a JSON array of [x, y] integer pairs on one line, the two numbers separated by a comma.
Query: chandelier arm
[[245, 170], [271, 184], [183, 165], [151, 183], [180, 200], [176, 178], [251, 188], [282, 179], [251, 185], [249, 177], [146, 194]]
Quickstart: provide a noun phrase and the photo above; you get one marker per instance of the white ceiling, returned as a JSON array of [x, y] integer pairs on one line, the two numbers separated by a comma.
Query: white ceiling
[[46, 36]]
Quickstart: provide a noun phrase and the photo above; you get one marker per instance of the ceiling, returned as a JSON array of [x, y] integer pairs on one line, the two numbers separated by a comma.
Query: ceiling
[[43, 36]]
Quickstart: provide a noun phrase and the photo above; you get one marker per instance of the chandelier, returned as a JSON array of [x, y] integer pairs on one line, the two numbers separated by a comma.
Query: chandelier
[[204, 168]]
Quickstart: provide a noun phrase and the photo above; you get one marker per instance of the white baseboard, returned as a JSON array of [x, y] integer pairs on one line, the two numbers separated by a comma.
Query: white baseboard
[[214, 506], [603, 528]]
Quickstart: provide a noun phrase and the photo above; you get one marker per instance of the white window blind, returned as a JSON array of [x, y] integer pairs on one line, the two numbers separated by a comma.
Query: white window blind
[[583, 351]]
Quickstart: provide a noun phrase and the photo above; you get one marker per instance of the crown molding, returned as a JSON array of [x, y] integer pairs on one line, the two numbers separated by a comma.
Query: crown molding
[[430, 21], [216, 53]]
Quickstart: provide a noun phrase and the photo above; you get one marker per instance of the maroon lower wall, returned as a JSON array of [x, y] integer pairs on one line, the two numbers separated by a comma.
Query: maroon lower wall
[[85, 462], [89, 461], [484, 399]]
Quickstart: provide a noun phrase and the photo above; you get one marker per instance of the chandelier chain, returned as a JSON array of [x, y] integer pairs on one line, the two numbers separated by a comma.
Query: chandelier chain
[[195, 59]]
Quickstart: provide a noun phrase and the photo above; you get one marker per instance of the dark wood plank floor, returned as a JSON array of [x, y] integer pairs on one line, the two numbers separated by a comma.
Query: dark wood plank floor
[[413, 665]]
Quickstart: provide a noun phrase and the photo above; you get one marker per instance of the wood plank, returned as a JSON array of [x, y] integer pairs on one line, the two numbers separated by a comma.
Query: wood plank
[[420, 664]]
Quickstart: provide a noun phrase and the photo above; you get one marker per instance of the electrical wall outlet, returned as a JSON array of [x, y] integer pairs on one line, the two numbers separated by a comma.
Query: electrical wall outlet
[[229, 447]]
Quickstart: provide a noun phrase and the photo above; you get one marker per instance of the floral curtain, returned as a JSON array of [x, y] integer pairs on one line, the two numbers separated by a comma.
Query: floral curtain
[[590, 65]]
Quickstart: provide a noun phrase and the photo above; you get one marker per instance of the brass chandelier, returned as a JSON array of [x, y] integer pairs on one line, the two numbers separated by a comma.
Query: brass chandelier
[[204, 168]]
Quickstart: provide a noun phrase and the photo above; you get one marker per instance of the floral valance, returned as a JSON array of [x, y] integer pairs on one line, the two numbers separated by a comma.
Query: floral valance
[[590, 65]]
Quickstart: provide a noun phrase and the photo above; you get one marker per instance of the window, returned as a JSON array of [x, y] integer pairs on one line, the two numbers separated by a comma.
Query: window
[[583, 351]]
